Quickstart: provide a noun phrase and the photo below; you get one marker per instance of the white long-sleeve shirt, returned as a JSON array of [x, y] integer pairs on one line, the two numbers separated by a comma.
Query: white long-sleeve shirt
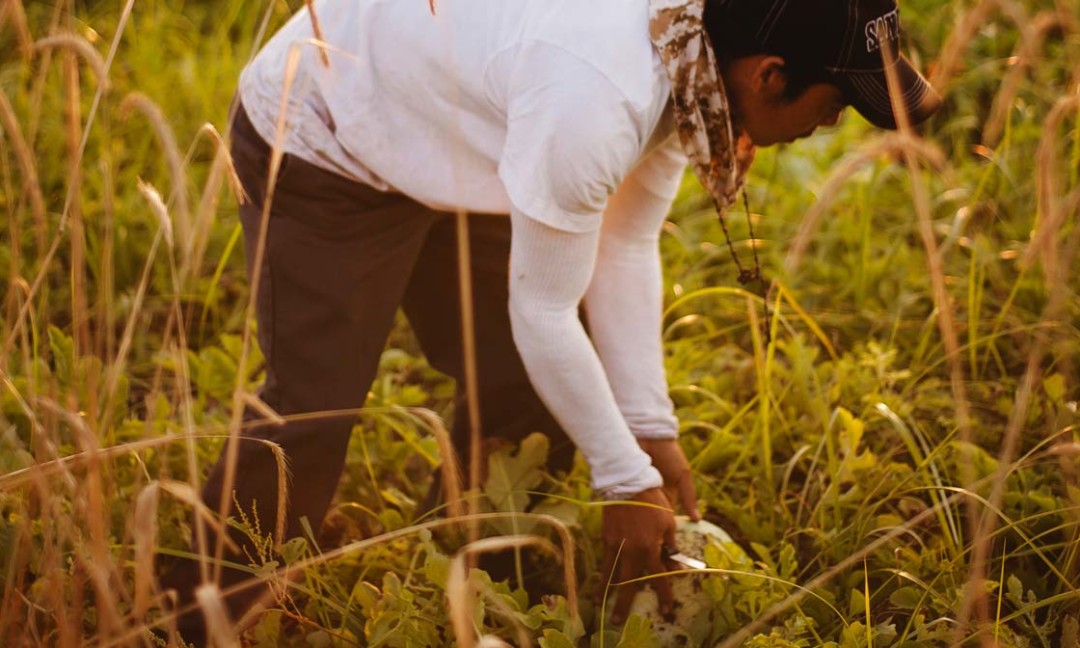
[[550, 110]]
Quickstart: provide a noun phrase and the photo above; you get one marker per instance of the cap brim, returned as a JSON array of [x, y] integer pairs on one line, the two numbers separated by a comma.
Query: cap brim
[[868, 93]]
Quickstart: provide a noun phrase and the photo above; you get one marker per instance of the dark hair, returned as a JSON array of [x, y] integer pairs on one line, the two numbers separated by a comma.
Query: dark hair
[[731, 26]]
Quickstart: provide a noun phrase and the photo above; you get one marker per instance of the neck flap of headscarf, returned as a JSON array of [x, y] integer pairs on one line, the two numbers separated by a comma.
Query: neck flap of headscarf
[[700, 103]]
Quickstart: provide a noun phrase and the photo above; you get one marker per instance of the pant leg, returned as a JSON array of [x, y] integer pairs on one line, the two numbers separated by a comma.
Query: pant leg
[[338, 257], [509, 406]]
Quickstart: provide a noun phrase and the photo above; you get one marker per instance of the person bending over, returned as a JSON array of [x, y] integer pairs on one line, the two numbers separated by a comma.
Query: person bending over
[[563, 127]]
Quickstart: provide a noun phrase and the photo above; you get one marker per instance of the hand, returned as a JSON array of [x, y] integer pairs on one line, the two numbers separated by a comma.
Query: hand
[[668, 458], [636, 531]]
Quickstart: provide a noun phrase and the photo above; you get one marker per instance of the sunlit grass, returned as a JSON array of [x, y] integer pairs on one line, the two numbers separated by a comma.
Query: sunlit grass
[[900, 462]]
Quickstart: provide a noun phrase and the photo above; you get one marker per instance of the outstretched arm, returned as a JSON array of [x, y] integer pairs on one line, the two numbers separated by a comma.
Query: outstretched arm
[[571, 138], [624, 302], [549, 273]]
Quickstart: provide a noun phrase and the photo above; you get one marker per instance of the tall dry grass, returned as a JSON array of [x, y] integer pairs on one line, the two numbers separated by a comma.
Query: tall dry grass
[[92, 562]]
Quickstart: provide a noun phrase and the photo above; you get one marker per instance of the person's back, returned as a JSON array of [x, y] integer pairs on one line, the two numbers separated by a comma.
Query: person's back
[[439, 106]]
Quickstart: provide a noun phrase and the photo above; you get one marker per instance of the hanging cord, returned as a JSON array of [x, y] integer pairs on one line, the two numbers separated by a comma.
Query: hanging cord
[[747, 275]]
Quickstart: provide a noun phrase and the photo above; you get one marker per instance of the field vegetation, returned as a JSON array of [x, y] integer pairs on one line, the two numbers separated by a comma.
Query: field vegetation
[[898, 463]]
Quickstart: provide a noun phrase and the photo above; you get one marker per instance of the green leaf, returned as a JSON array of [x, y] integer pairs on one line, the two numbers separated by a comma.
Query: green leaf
[[789, 562], [391, 519], [1015, 591], [293, 550], [884, 634], [395, 497], [562, 510], [854, 636], [437, 568], [555, 639], [554, 611], [216, 373], [63, 354], [392, 585], [888, 521], [607, 638], [638, 633], [856, 603], [366, 596], [520, 597], [13, 454], [511, 475], [1055, 387], [852, 431], [268, 629], [772, 640], [907, 598]]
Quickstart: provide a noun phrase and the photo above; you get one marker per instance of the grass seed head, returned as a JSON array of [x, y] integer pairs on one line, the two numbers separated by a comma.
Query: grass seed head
[[82, 47]]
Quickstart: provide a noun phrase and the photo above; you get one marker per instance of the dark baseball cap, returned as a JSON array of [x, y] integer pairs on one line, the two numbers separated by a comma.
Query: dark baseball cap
[[839, 41]]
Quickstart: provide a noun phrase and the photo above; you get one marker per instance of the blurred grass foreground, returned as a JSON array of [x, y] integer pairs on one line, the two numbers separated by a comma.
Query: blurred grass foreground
[[899, 465]]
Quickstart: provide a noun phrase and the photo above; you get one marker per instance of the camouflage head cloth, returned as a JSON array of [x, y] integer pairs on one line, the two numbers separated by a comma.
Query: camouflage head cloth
[[700, 103]]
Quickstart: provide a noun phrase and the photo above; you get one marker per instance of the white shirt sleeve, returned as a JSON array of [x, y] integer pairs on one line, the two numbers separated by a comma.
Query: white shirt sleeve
[[571, 139], [549, 272], [624, 302]]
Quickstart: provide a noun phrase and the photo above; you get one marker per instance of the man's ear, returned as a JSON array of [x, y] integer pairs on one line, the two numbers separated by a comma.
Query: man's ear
[[769, 79]]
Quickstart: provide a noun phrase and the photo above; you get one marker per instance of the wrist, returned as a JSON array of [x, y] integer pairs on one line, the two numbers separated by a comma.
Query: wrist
[[656, 434], [651, 421], [646, 479]]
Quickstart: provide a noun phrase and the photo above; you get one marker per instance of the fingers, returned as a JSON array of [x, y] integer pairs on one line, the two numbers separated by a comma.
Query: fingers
[[607, 567], [688, 496], [628, 570], [631, 569], [671, 491], [662, 585], [650, 557], [668, 457], [633, 536]]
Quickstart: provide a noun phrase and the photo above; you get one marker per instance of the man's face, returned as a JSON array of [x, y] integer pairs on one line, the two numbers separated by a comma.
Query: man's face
[[788, 120], [757, 90]]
